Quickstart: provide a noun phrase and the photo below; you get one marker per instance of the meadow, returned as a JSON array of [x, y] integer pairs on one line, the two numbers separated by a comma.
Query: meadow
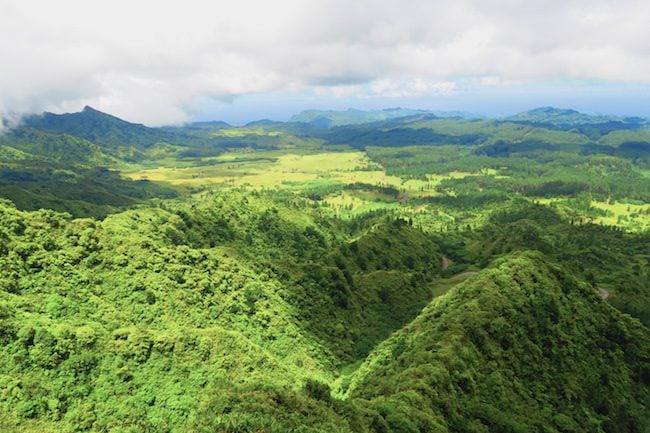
[[350, 183]]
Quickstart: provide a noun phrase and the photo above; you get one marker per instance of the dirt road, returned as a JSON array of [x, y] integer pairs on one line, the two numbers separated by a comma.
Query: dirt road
[[603, 293]]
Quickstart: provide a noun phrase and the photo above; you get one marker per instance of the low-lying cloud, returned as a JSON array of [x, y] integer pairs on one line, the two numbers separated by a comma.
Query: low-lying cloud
[[149, 61]]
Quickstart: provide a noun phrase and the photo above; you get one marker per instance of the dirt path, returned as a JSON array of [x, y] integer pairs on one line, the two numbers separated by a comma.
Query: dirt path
[[462, 275], [603, 293]]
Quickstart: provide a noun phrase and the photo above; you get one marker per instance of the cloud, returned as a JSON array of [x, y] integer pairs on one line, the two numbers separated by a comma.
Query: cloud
[[340, 91], [150, 61], [409, 88]]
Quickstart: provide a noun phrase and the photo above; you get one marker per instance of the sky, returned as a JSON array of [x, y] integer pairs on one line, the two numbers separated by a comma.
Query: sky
[[169, 62]]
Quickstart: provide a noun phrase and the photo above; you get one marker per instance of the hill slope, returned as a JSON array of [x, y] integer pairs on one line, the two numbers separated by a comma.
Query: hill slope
[[519, 347], [103, 129]]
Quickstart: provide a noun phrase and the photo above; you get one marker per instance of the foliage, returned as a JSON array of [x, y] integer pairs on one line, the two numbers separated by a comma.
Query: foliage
[[520, 347]]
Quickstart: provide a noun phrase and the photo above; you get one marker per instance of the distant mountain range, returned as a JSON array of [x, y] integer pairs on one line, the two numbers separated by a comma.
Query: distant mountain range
[[111, 131], [94, 138], [549, 116], [330, 118], [568, 117]]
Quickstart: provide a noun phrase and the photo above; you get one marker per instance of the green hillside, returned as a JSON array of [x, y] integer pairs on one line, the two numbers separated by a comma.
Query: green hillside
[[66, 173], [138, 322], [519, 347], [101, 128]]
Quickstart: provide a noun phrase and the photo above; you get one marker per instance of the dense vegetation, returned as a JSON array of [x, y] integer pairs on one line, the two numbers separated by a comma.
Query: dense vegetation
[[413, 274], [520, 347]]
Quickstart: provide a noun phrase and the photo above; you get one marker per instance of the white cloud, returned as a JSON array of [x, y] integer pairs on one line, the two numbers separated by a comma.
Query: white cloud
[[149, 60], [344, 91], [413, 87]]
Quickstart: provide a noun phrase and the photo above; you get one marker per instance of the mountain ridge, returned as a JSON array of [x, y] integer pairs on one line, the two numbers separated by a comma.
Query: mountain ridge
[[105, 129], [564, 117]]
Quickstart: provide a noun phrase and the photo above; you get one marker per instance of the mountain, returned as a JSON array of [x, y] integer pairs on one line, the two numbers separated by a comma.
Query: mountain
[[329, 118], [207, 125], [567, 118], [56, 147], [458, 114], [263, 123], [105, 130], [68, 162]]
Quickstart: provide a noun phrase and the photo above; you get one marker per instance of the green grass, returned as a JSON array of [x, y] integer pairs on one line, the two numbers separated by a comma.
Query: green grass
[[443, 285], [332, 171], [632, 217]]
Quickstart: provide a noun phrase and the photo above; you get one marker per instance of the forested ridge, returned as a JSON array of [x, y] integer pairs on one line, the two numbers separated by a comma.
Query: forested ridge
[[186, 280]]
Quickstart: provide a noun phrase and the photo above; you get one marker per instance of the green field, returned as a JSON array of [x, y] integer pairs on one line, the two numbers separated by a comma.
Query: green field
[[630, 216], [333, 171]]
